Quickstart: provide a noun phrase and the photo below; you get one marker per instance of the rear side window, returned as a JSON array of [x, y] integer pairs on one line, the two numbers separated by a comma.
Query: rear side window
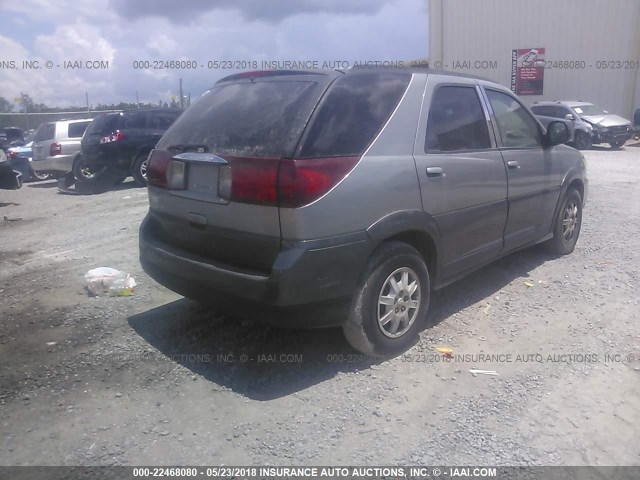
[[76, 129], [517, 128], [162, 120], [545, 111], [135, 120], [46, 131], [353, 112], [249, 119], [103, 124], [456, 121]]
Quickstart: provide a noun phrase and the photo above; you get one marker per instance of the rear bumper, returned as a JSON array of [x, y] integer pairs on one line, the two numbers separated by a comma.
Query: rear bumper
[[313, 272], [57, 164]]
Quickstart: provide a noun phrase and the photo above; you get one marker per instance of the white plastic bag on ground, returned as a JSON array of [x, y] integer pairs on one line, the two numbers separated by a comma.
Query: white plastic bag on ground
[[111, 281]]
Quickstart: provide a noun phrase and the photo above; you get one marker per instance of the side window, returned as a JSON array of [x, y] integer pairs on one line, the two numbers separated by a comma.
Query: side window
[[76, 130], [456, 121], [517, 128], [161, 120], [543, 110], [353, 112], [135, 120], [563, 112]]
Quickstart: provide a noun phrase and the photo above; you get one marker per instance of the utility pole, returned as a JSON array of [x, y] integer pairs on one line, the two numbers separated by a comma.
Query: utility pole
[[137, 101], [86, 98], [181, 95]]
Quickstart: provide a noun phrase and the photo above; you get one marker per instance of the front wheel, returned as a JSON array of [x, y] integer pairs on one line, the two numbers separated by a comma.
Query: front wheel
[[390, 304], [582, 140], [567, 225]]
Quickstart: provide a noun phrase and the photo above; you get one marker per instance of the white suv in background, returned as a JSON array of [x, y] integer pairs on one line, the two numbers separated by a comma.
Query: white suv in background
[[57, 144]]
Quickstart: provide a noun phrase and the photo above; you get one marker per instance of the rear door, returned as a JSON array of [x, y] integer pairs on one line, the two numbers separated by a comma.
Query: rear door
[[231, 141], [461, 173], [532, 193], [44, 137]]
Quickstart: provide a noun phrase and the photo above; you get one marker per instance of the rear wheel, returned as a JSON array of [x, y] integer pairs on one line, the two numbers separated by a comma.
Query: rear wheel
[[390, 305], [616, 145], [40, 176], [568, 223], [139, 169], [582, 140], [83, 173]]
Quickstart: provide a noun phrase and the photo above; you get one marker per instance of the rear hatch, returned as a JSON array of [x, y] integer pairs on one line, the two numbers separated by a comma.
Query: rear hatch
[[103, 127], [213, 177], [44, 137]]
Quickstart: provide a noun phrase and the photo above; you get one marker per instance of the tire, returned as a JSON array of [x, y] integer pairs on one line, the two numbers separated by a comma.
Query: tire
[[582, 140], [139, 169], [616, 145], [83, 173], [40, 176], [363, 329], [566, 229]]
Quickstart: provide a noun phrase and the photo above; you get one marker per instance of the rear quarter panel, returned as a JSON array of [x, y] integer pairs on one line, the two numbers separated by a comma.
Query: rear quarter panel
[[384, 181]]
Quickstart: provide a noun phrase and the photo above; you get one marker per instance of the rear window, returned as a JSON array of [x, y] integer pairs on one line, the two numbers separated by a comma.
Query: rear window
[[104, 124], [135, 120], [76, 130], [252, 119], [46, 131], [353, 112]]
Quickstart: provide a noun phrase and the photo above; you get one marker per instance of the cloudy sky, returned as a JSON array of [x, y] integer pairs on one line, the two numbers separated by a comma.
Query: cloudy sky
[[124, 31]]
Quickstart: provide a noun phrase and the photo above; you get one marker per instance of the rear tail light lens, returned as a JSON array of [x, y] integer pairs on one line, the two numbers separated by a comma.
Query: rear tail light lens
[[114, 137], [176, 178], [163, 171], [302, 182], [254, 180], [157, 167], [55, 149]]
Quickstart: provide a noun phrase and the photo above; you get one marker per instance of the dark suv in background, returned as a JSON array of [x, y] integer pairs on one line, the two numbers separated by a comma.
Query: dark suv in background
[[278, 191], [122, 141]]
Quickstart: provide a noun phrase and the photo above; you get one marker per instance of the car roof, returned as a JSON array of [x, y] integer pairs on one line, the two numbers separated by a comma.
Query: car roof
[[351, 71]]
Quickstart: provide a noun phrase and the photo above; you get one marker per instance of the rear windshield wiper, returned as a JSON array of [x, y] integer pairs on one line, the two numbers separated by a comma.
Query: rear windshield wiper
[[183, 147]]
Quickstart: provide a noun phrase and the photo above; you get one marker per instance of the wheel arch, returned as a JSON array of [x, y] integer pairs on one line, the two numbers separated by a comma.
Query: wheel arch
[[415, 228]]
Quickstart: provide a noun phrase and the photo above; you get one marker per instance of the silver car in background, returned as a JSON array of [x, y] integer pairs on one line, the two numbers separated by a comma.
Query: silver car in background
[[57, 144], [588, 124]]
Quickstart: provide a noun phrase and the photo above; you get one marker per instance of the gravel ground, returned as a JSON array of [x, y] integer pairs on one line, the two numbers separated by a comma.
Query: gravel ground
[[155, 379]]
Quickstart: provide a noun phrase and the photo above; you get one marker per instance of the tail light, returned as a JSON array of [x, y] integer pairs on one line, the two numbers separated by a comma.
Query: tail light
[[304, 181], [263, 181], [55, 149], [254, 180], [114, 137], [163, 171]]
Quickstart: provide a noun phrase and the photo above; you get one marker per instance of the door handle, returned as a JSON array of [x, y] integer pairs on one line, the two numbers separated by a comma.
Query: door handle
[[435, 172], [514, 165]]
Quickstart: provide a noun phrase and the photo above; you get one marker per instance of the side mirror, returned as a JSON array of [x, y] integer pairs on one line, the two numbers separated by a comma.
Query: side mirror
[[569, 116], [557, 133]]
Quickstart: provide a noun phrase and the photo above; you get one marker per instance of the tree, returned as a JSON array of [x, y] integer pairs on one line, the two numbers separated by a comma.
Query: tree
[[5, 105], [26, 102]]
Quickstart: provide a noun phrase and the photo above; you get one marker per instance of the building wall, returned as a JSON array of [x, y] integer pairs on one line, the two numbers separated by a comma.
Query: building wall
[[589, 30]]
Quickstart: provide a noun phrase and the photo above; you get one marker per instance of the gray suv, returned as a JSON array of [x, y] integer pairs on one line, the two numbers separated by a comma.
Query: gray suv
[[285, 194], [588, 124], [56, 145]]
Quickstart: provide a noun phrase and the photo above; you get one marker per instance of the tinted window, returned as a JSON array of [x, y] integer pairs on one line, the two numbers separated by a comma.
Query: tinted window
[[517, 128], [253, 119], [76, 129], [162, 120], [104, 123], [544, 110], [456, 121], [353, 112], [46, 131], [135, 120], [13, 134]]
